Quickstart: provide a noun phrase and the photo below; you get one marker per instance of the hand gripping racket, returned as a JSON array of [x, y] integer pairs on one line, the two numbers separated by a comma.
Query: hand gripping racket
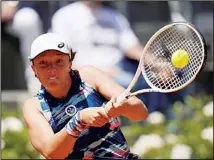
[[155, 63]]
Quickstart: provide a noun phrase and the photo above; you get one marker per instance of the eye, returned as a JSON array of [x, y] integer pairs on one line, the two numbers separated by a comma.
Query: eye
[[43, 64], [59, 61]]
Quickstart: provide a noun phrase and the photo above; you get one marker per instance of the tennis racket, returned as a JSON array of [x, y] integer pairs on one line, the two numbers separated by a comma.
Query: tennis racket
[[155, 63]]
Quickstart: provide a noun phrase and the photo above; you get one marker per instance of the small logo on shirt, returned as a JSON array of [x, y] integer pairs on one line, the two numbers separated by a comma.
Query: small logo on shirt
[[61, 45], [70, 110]]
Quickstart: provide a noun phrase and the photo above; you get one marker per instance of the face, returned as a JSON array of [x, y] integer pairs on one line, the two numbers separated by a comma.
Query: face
[[52, 69]]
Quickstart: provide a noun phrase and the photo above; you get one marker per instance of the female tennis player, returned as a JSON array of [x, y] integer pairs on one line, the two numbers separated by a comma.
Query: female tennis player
[[71, 116]]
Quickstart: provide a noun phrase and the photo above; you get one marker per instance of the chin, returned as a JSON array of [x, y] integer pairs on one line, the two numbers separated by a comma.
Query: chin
[[54, 86]]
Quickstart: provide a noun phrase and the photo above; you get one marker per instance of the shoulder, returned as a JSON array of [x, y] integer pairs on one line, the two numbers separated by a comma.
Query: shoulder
[[91, 75], [87, 68], [88, 71], [111, 13], [116, 16], [31, 104]]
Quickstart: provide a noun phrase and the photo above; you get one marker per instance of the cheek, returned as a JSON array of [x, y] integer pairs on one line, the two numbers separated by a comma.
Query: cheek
[[41, 75], [67, 68], [64, 70]]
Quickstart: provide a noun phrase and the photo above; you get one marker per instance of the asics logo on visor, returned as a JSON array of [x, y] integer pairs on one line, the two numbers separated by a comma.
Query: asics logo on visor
[[61, 45]]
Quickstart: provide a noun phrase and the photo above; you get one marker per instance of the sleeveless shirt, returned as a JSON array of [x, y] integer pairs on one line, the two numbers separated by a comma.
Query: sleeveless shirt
[[94, 142]]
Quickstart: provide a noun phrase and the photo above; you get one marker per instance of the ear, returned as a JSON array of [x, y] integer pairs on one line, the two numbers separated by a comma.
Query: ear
[[70, 66], [33, 68]]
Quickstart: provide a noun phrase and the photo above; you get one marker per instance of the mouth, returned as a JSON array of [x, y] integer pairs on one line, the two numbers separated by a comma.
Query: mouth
[[52, 78]]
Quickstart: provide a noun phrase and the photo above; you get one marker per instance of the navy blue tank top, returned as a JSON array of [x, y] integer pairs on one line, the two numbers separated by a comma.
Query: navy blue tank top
[[95, 142]]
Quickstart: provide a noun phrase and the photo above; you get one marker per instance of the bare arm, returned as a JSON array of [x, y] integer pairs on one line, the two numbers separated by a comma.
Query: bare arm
[[42, 137], [135, 52], [134, 109]]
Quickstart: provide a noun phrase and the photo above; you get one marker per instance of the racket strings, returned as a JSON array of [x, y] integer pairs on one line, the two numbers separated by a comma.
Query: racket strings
[[195, 60], [159, 71]]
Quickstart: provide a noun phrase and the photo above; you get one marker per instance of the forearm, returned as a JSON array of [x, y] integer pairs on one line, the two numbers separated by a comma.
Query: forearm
[[62, 143], [59, 145], [134, 110], [135, 52]]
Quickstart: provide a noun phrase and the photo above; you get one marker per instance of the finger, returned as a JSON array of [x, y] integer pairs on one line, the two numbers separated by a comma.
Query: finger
[[103, 112], [107, 107], [117, 104], [102, 121], [113, 100], [99, 123], [114, 114], [104, 115]]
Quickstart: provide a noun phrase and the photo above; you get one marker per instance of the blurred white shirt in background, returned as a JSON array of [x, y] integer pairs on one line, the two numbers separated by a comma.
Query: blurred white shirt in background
[[100, 37]]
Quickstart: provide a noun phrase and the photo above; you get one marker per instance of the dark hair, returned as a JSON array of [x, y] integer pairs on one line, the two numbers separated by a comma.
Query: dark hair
[[72, 55], [108, 4]]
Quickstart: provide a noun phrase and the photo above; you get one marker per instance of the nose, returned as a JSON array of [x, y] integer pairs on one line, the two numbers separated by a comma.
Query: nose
[[52, 71], [52, 68]]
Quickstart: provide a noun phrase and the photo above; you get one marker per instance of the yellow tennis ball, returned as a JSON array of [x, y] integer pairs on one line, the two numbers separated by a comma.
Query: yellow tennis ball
[[180, 58]]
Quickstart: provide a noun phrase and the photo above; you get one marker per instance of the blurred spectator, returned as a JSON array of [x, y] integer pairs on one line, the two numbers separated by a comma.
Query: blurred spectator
[[100, 34], [22, 21], [200, 13], [8, 10], [26, 20], [10, 47]]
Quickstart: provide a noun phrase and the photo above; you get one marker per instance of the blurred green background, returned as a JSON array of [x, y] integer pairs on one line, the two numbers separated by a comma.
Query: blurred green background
[[189, 133]]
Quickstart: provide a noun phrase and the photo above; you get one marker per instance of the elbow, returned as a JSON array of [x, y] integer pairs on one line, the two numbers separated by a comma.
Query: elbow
[[136, 110], [141, 117], [141, 114], [54, 155], [145, 113], [50, 153]]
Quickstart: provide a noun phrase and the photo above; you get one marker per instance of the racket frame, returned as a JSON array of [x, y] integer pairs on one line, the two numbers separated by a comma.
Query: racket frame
[[126, 94]]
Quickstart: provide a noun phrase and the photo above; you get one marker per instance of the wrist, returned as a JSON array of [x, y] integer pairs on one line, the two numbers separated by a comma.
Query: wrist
[[81, 115], [75, 126], [105, 112], [105, 109]]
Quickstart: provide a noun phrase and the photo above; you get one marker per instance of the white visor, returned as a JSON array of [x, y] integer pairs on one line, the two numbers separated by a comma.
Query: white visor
[[49, 41]]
